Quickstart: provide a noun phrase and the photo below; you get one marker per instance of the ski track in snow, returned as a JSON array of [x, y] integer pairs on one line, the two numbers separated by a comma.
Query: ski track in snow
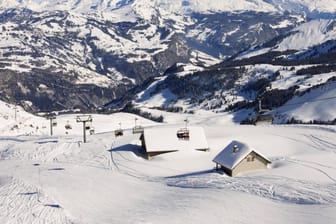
[[322, 144], [123, 163], [273, 187], [277, 188], [309, 165], [22, 203]]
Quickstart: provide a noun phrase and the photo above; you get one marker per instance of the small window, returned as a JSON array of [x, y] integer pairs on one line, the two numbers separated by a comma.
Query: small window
[[250, 158]]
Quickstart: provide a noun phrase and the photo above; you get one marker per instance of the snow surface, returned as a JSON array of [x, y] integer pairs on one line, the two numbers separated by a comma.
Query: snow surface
[[308, 35], [59, 179], [302, 38], [318, 104]]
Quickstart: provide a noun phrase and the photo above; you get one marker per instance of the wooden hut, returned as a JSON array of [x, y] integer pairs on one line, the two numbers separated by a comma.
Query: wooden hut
[[238, 157], [159, 140]]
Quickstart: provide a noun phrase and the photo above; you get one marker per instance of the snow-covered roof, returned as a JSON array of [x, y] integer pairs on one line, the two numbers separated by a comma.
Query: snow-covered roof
[[160, 139], [230, 158]]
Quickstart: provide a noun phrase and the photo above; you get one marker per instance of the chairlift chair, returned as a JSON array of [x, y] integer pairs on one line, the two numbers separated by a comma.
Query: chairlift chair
[[137, 129], [92, 131], [68, 126], [183, 134], [54, 124], [118, 132], [264, 117]]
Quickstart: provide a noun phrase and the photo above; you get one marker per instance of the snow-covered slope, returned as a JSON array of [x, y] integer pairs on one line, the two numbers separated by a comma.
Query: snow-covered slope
[[61, 180], [54, 54], [303, 92], [63, 48], [307, 35], [297, 66], [310, 7], [15, 121], [318, 104], [303, 38]]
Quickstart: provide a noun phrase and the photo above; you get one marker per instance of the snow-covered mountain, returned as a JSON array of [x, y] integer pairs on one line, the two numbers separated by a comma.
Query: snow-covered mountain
[[293, 75], [210, 62], [65, 55], [59, 53], [179, 6]]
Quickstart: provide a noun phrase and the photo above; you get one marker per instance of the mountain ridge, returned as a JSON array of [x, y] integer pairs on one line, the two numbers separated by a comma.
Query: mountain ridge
[[148, 7], [289, 75], [114, 56]]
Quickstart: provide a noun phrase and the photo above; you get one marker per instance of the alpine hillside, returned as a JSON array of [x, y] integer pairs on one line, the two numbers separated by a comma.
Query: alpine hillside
[[171, 55]]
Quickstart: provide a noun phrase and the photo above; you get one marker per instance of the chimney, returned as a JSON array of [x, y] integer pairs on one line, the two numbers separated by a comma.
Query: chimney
[[235, 148]]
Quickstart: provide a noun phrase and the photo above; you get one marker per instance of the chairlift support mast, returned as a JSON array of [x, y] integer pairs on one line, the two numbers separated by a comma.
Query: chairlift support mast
[[51, 117], [263, 115], [259, 103], [15, 112], [84, 119], [186, 123], [269, 87]]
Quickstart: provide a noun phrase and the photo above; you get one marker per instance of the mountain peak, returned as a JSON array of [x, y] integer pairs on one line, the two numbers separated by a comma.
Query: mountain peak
[[178, 6]]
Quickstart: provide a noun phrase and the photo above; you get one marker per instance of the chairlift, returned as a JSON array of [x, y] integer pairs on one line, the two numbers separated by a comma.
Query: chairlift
[[54, 124], [183, 134], [92, 131], [118, 132], [137, 129], [87, 127], [264, 117], [68, 126]]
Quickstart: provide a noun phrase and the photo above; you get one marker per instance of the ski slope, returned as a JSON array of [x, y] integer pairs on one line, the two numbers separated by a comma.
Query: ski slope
[[60, 179]]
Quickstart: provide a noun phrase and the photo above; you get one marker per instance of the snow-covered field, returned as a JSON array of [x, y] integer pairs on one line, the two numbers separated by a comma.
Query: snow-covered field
[[60, 179]]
